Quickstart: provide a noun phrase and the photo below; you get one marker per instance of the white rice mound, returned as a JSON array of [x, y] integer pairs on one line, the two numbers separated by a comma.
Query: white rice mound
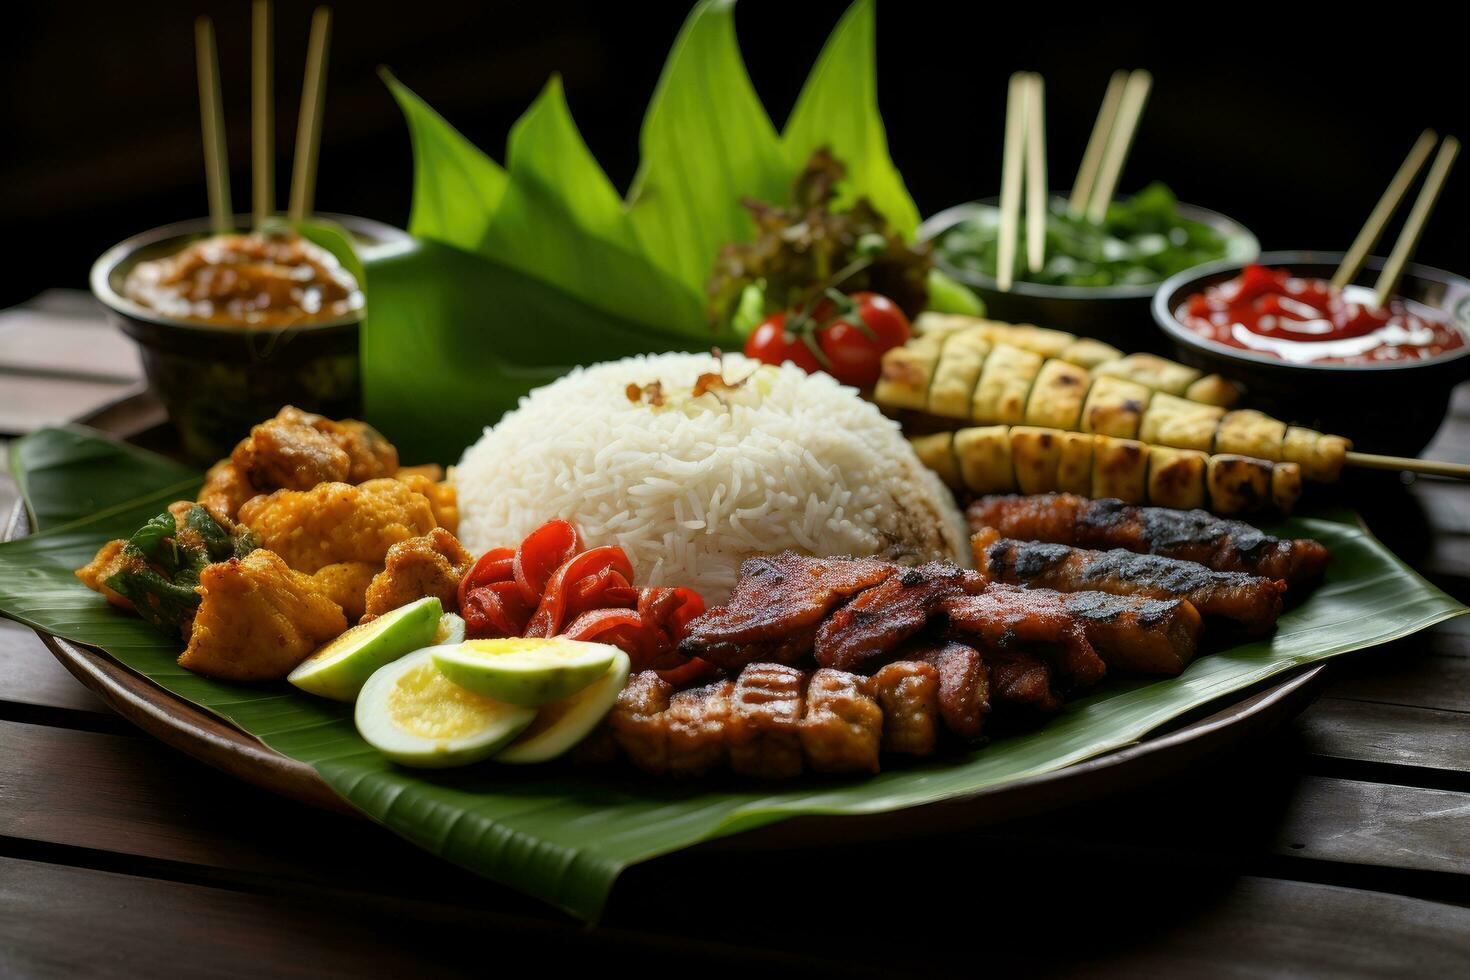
[[693, 487]]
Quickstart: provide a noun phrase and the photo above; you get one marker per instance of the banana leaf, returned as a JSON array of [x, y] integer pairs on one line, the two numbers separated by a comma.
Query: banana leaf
[[563, 834]]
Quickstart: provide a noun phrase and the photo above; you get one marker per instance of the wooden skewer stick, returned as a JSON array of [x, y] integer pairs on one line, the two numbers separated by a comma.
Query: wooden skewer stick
[[262, 115], [1429, 467], [212, 122], [1010, 181], [1037, 191], [1135, 94], [309, 123], [1362, 246], [1388, 280], [1096, 143]]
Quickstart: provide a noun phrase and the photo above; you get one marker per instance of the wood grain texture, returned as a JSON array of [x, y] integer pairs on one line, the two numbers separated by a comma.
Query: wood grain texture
[[1392, 734]]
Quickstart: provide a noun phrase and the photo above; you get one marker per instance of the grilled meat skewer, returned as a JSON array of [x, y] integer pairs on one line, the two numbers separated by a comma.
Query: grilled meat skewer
[[1192, 535], [1250, 601]]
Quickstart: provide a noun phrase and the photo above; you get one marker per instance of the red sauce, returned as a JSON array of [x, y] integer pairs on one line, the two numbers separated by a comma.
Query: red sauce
[[1307, 321]]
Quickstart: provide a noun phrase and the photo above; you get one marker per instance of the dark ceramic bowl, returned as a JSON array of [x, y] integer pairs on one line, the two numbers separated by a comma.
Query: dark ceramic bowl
[[1392, 408], [218, 381], [1116, 314]]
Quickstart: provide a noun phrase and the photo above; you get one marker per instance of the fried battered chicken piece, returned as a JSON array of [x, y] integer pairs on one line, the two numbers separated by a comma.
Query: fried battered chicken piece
[[1249, 601], [698, 723], [442, 497], [346, 583], [777, 606], [257, 620], [964, 684], [869, 628], [337, 522], [637, 722], [225, 490], [765, 721], [431, 565], [1190, 535], [296, 450], [104, 565], [908, 692], [843, 725]]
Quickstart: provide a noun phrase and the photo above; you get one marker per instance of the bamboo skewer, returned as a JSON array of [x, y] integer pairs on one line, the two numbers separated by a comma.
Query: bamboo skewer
[[262, 115], [212, 122], [1037, 191], [1429, 467], [1010, 181], [1383, 211], [309, 123], [1120, 140], [1408, 240], [1096, 143]]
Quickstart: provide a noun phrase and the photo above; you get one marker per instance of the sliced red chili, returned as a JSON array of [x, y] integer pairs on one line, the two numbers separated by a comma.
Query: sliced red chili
[[493, 566], [542, 553], [563, 590], [493, 611]]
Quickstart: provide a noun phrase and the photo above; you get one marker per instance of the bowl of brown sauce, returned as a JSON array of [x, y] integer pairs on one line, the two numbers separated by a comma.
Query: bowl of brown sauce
[[233, 326]]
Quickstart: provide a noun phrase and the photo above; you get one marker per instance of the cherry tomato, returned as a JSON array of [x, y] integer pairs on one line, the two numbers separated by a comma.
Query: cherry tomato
[[855, 355], [769, 343]]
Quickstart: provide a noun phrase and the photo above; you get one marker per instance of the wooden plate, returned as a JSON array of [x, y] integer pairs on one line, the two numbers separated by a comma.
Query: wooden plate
[[1235, 718]]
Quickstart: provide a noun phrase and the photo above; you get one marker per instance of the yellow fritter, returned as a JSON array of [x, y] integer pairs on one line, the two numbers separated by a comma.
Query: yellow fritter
[[431, 565], [338, 522], [257, 620]]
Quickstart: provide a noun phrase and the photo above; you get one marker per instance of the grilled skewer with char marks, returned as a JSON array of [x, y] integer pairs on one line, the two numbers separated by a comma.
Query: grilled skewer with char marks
[[1193, 535], [1249, 601]]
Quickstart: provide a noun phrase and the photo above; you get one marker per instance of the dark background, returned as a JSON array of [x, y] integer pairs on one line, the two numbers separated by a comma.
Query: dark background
[[1289, 121]]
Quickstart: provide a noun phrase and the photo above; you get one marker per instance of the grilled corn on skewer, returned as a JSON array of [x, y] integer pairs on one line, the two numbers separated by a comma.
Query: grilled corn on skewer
[[1006, 374], [1038, 459]]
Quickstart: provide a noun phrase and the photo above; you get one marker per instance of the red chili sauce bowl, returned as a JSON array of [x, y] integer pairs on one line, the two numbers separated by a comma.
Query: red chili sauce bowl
[[1323, 357]]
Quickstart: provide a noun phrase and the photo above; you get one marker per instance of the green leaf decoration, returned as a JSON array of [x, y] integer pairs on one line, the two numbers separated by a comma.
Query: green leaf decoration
[[838, 108], [707, 142], [569, 260], [456, 188], [563, 834]]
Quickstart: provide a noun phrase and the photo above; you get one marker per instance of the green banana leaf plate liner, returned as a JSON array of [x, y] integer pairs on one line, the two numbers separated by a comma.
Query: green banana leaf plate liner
[[564, 833]]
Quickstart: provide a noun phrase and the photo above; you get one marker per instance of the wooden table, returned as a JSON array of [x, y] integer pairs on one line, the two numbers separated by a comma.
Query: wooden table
[[1339, 845]]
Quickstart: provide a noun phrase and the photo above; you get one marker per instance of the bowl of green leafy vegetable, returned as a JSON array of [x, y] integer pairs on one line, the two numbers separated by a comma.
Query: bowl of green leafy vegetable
[[1098, 278]]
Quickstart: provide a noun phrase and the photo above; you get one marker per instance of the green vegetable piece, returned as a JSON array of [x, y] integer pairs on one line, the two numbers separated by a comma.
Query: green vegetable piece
[[163, 560], [750, 310], [948, 296]]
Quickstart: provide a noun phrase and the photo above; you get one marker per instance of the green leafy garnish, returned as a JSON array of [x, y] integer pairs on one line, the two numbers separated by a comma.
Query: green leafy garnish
[[162, 562], [1143, 240]]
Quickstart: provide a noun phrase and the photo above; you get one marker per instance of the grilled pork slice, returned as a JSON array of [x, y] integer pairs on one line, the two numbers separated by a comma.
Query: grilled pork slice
[[777, 606], [698, 723], [1008, 618], [842, 729], [1152, 636], [1250, 601], [868, 629], [765, 721], [908, 692], [1190, 535], [1017, 678], [964, 684], [638, 724]]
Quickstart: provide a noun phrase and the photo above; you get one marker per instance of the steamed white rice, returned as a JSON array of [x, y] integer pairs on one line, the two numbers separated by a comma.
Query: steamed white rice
[[692, 488]]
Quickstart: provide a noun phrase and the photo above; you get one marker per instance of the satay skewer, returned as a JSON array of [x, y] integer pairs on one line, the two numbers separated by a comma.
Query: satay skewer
[[1107, 113], [309, 123], [1383, 211], [1010, 181], [1408, 240], [262, 115], [1130, 110], [212, 123], [1037, 191]]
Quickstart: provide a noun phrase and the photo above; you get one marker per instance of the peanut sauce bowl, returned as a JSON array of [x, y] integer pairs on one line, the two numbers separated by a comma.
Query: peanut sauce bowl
[[216, 381], [1392, 406]]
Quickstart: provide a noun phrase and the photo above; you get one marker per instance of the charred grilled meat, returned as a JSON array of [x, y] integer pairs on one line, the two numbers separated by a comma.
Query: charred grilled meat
[[908, 693], [842, 728], [1249, 601], [868, 629], [765, 721], [964, 685], [777, 607], [1190, 535], [1151, 636]]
